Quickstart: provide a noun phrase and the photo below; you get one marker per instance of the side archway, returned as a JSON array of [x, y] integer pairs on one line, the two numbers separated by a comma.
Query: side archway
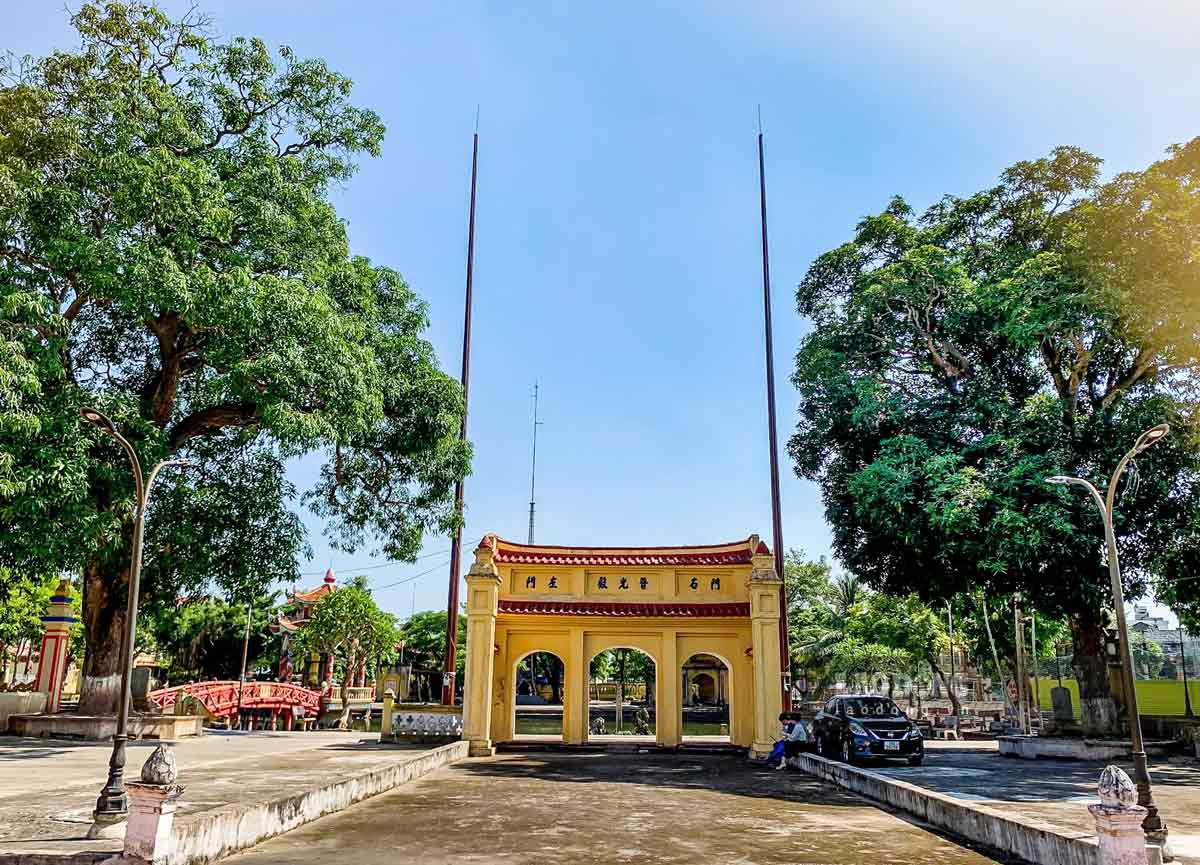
[[536, 707]]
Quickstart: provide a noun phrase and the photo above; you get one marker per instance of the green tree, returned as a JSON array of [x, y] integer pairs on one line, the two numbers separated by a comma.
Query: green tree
[[424, 637], [915, 632], [806, 584], [353, 631], [959, 358], [201, 638], [169, 254], [834, 637], [21, 612]]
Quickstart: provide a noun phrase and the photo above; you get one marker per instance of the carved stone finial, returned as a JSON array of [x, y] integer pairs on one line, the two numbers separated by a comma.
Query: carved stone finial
[[160, 767], [1116, 789]]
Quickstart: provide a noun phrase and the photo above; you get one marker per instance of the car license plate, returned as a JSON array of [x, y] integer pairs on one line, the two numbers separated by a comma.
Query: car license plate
[[891, 746]]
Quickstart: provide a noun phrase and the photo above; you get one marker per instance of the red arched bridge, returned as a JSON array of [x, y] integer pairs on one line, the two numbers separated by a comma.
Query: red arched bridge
[[220, 699]]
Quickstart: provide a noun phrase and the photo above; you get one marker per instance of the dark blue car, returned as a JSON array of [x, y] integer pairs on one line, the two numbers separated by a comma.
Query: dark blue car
[[861, 727]]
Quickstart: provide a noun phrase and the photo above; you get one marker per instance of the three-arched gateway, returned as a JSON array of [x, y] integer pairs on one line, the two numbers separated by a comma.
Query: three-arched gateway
[[670, 602]]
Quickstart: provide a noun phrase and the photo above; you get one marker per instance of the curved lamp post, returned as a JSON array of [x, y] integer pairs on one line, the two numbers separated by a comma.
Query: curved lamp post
[[1153, 824], [113, 804]]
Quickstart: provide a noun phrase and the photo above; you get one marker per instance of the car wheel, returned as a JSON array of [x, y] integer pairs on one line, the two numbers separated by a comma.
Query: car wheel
[[917, 760], [847, 754]]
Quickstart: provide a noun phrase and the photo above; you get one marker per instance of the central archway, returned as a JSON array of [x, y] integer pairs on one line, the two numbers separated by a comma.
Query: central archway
[[706, 713], [537, 706], [622, 694]]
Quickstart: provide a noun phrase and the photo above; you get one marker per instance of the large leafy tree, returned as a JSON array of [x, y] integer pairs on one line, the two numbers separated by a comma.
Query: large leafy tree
[[960, 357], [169, 255]]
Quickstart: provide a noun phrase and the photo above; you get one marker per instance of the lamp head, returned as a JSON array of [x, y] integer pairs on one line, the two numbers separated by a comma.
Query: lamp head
[[96, 419], [1059, 480], [1151, 436]]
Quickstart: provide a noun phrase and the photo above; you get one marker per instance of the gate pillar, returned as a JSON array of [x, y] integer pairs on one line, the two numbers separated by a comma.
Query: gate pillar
[[483, 592], [668, 712], [764, 621], [575, 700]]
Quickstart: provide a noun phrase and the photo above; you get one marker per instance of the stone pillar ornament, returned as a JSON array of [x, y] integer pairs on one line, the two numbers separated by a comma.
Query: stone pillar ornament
[[483, 599], [152, 803], [389, 707], [764, 623], [1119, 821], [52, 663]]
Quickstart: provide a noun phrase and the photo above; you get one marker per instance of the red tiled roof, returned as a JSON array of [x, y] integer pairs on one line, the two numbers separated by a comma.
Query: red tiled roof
[[648, 610], [313, 595], [328, 585], [734, 553]]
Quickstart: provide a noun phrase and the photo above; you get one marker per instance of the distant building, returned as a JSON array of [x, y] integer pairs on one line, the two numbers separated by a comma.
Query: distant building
[[1158, 630], [316, 669]]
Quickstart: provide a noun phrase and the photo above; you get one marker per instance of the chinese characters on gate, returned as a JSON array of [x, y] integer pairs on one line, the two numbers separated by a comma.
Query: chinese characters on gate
[[623, 583]]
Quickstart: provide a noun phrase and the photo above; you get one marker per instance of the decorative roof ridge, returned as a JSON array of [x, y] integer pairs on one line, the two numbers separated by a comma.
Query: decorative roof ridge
[[752, 544]]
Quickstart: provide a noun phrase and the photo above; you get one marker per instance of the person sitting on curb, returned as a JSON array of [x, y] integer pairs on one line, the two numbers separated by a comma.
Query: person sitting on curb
[[796, 739], [777, 752]]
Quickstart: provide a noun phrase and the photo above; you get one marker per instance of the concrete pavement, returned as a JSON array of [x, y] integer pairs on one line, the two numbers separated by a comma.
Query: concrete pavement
[[35, 765], [48, 788], [530, 809]]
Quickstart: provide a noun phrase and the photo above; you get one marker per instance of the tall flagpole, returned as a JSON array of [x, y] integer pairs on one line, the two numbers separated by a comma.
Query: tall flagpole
[[451, 653], [776, 518], [533, 467]]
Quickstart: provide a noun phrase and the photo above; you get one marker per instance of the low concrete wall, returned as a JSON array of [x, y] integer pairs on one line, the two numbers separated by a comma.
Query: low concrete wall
[[1056, 748], [218, 833], [19, 703], [102, 727], [1031, 840]]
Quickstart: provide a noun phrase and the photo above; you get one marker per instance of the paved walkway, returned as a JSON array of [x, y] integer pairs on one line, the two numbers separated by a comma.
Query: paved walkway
[[48, 788], [31, 765], [543, 808], [1057, 791]]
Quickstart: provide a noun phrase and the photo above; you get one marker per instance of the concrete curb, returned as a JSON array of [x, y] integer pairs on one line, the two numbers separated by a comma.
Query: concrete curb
[[210, 835], [1031, 840]]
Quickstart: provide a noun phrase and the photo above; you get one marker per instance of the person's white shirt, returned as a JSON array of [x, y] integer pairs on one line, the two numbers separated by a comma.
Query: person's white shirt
[[799, 733]]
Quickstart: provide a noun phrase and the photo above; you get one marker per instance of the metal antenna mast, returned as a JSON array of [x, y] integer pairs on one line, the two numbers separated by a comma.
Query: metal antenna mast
[[533, 469], [451, 652], [785, 665]]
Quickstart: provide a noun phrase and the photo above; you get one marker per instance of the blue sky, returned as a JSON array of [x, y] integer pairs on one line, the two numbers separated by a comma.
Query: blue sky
[[618, 247]]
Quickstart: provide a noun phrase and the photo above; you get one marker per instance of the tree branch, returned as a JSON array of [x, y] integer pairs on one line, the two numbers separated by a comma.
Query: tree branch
[[211, 420], [1141, 365]]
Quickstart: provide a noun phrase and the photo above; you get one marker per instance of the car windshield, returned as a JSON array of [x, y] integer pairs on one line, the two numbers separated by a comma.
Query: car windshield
[[871, 707]]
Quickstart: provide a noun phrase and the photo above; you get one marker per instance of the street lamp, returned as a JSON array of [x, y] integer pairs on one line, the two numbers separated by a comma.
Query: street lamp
[[1153, 825], [113, 804]]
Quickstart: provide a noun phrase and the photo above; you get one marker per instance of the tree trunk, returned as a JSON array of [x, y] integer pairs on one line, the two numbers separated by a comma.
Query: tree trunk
[[344, 690], [956, 706], [1098, 710], [105, 593], [891, 685]]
